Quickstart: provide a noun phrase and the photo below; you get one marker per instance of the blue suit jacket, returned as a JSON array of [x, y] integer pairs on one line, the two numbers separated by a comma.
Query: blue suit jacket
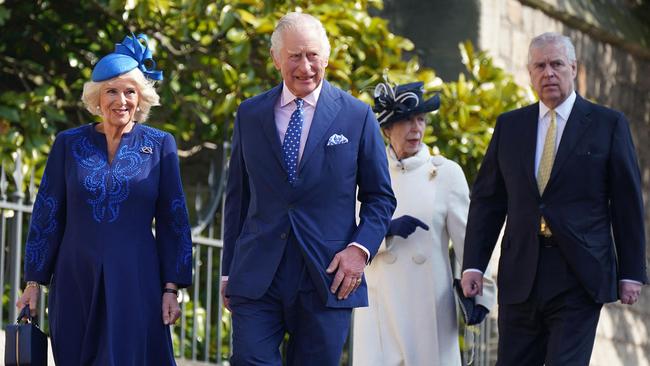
[[262, 207], [594, 191]]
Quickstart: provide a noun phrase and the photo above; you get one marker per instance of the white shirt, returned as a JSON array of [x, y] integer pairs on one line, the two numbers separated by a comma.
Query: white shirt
[[562, 113], [285, 107]]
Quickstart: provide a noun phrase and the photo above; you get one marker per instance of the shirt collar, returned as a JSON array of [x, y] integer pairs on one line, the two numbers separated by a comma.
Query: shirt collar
[[563, 110], [288, 97]]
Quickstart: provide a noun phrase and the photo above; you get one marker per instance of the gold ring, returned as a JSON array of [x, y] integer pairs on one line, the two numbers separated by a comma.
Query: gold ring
[[359, 281]]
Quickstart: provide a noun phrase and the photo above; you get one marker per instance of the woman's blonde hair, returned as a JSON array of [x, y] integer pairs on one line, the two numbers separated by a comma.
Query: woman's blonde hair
[[146, 93]]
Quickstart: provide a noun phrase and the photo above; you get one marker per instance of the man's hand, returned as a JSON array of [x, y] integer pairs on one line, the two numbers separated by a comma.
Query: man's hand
[[226, 301], [348, 264], [629, 292], [472, 283], [404, 226]]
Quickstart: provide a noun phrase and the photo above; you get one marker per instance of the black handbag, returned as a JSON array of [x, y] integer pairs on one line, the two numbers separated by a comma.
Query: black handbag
[[467, 305], [25, 343]]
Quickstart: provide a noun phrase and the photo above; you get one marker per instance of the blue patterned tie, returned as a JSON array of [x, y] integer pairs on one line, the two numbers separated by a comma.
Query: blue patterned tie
[[291, 143]]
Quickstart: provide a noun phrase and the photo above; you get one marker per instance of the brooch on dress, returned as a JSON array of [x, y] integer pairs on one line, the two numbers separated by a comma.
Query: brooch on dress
[[436, 161], [433, 172], [146, 150]]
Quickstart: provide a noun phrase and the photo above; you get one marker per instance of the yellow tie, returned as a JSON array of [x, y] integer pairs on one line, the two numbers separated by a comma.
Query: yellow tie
[[546, 165], [548, 155]]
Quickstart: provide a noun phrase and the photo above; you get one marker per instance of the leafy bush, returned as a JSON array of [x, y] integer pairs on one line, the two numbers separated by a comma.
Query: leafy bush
[[469, 108]]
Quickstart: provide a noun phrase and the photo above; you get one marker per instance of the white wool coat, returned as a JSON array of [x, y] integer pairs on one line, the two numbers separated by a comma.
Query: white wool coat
[[411, 318]]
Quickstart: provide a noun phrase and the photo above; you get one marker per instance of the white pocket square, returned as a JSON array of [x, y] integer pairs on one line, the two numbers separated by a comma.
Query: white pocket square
[[337, 139]]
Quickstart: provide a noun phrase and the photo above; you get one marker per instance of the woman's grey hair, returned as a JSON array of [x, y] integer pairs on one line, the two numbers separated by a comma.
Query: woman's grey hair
[[553, 38], [146, 93], [295, 21]]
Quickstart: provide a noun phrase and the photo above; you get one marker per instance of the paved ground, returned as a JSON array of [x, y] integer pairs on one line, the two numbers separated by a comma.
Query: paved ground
[[51, 360], [195, 363]]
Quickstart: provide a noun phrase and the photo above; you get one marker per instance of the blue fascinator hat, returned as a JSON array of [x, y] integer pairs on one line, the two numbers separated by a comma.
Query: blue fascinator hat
[[128, 55], [402, 102]]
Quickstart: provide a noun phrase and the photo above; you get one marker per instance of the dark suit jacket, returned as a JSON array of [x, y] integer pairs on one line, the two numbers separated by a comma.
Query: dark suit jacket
[[263, 208], [592, 202]]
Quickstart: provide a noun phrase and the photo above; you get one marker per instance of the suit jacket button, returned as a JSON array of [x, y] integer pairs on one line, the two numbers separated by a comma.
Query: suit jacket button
[[419, 258], [283, 236]]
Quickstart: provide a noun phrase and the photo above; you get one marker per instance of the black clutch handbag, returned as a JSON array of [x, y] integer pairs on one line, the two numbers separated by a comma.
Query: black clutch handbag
[[467, 305], [25, 343]]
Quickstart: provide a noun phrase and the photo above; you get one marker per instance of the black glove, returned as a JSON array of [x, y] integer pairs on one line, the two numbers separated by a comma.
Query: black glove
[[478, 315], [404, 226]]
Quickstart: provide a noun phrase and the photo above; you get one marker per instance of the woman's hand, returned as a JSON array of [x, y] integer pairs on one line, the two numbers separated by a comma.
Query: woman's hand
[[29, 298], [404, 226], [171, 310]]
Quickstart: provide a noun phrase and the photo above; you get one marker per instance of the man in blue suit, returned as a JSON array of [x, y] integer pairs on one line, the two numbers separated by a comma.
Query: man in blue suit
[[564, 172], [293, 260]]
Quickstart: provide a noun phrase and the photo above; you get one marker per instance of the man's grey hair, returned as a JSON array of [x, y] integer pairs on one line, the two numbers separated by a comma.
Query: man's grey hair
[[553, 38], [296, 22]]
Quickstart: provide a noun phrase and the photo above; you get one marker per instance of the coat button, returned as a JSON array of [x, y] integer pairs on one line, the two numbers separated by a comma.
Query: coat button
[[419, 258], [283, 236]]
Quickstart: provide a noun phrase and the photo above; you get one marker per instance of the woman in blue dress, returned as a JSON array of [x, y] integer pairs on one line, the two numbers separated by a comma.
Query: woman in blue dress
[[113, 283]]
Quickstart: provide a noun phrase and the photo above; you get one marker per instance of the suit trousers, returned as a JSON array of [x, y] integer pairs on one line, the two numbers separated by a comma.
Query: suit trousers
[[556, 325], [291, 305]]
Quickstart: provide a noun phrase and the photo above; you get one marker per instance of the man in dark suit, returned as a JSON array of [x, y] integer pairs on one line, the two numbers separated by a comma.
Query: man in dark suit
[[293, 260], [565, 173]]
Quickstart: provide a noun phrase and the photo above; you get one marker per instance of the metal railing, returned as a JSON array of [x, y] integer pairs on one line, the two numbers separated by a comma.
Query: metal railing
[[203, 333]]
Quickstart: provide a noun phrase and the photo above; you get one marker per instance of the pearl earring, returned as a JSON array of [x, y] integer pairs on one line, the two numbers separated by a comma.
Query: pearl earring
[[138, 109], [97, 107]]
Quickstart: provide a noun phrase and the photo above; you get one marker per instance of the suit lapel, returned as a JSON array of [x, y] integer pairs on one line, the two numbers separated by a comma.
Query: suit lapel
[[529, 140], [576, 126], [267, 113], [327, 108]]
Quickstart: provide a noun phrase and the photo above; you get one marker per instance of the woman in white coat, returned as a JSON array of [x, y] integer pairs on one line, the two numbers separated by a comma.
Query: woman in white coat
[[411, 318]]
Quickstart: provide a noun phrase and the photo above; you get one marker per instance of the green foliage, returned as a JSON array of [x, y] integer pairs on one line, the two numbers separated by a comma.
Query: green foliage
[[214, 54], [469, 108]]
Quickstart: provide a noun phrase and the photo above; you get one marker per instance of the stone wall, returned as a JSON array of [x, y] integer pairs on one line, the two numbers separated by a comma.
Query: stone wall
[[436, 28], [609, 76]]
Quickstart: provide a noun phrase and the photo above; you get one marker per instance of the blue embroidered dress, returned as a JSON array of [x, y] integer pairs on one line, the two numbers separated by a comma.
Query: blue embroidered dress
[[90, 238]]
